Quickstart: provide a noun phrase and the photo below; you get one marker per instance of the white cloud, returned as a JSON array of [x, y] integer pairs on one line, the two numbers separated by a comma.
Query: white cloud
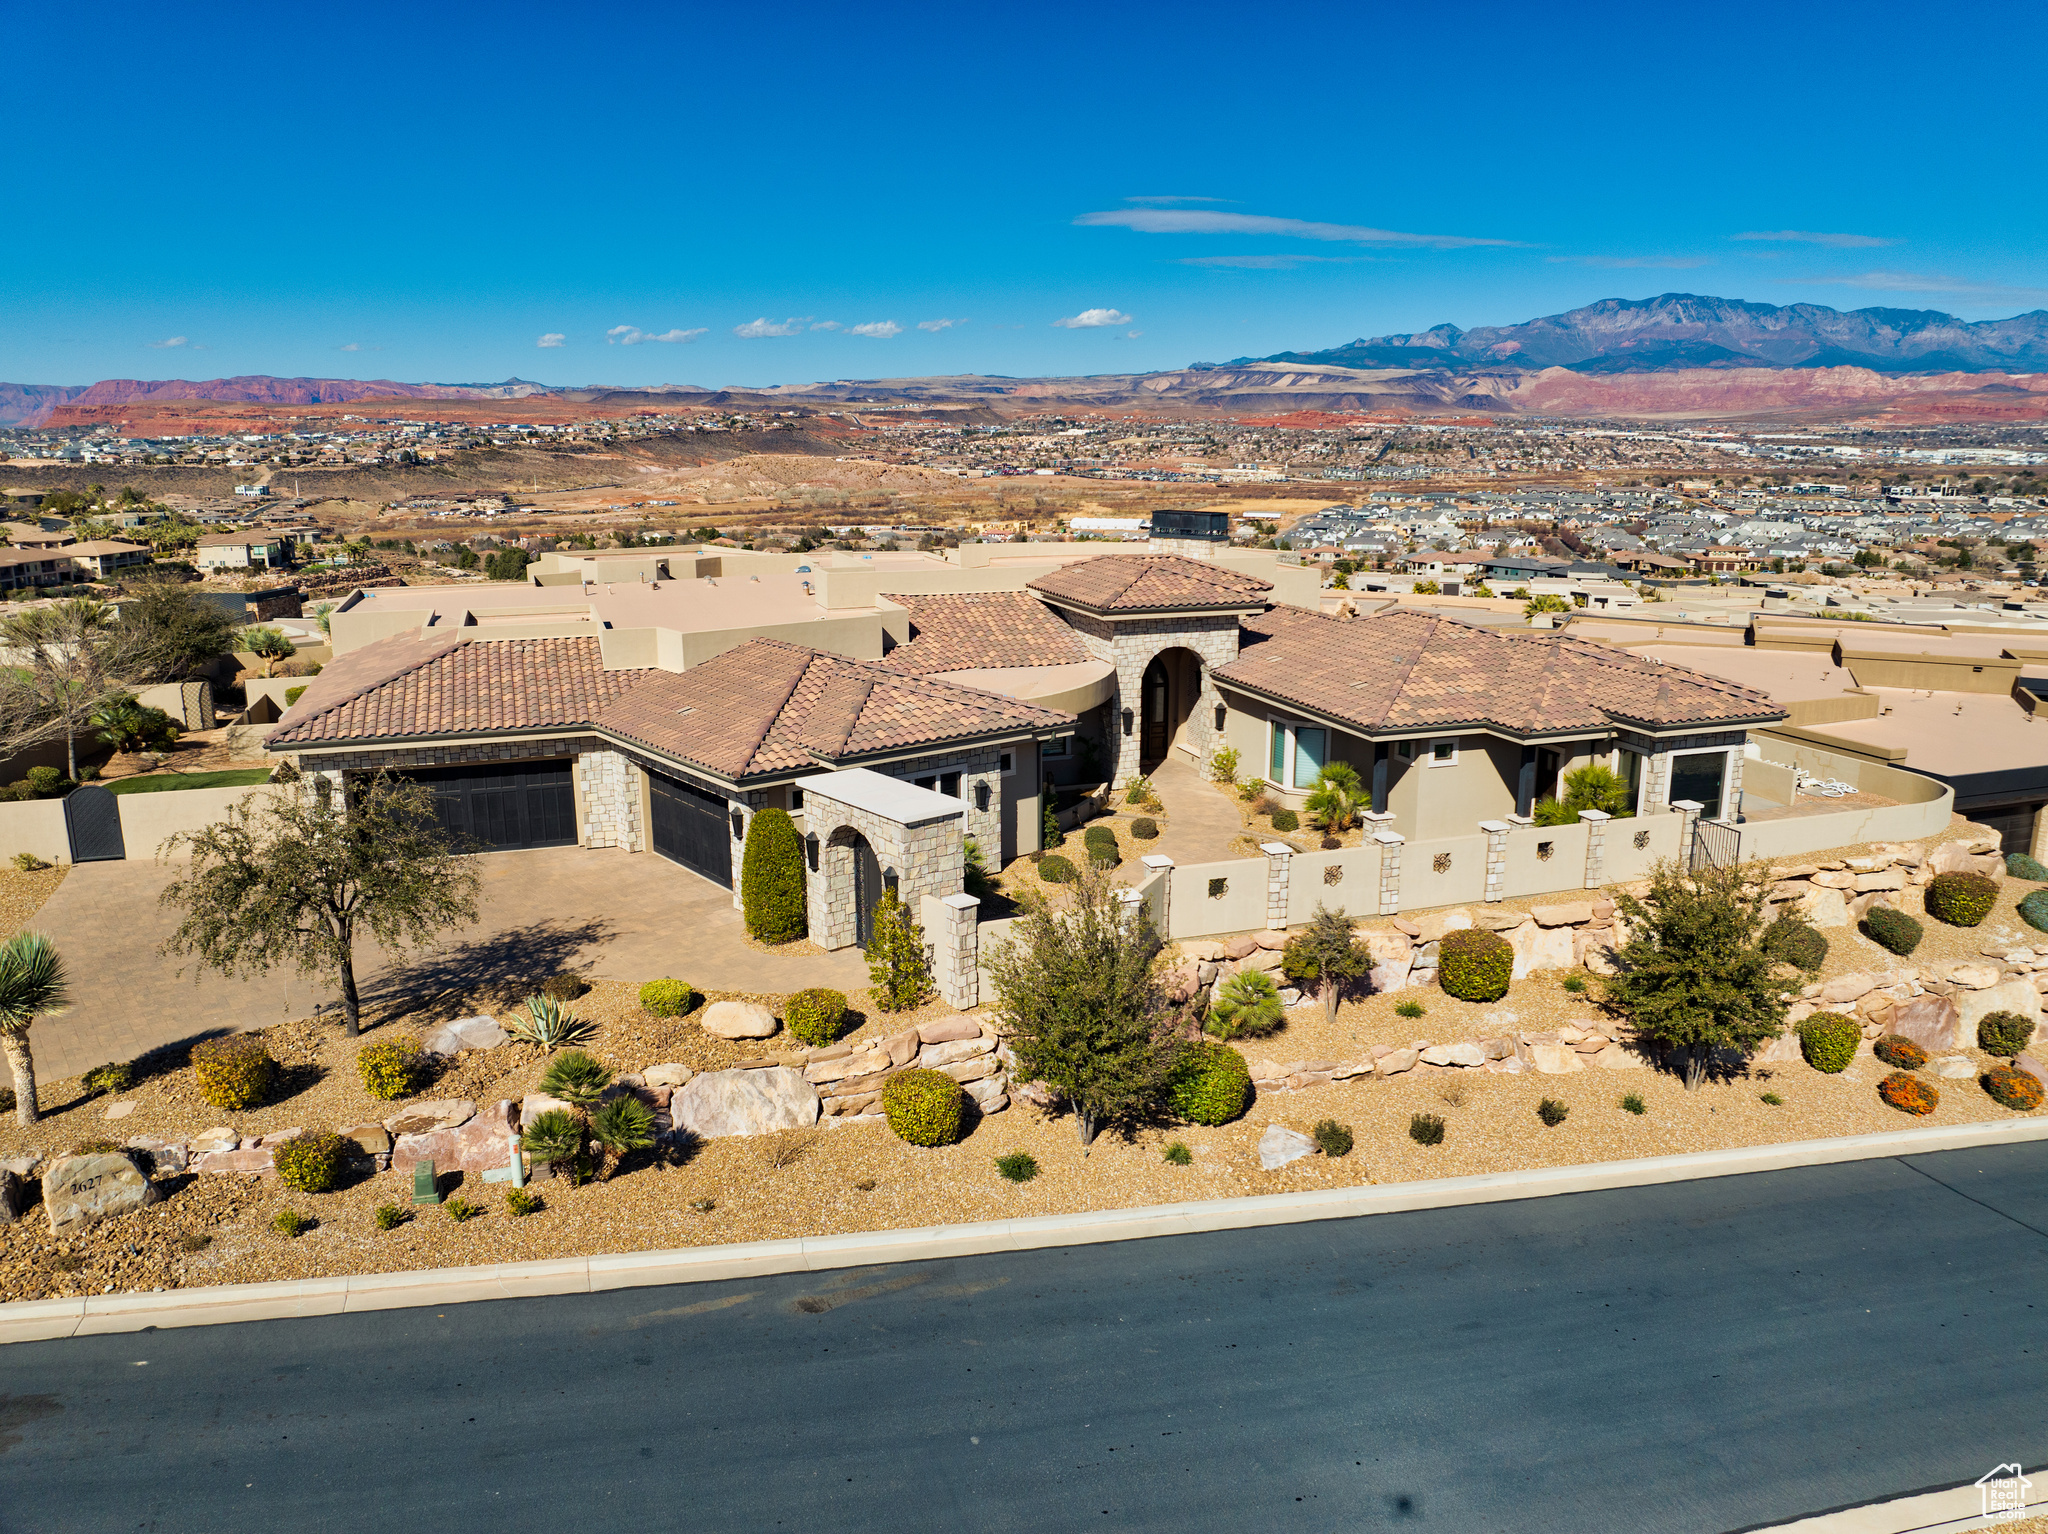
[[1272, 263], [828, 325], [1093, 319], [167, 343], [935, 326], [680, 337], [552, 338], [1201, 221], [632, 335], [880, 329], [1928, 282], [352, 346], [1157, 201], [1808, 237], [767, 327]]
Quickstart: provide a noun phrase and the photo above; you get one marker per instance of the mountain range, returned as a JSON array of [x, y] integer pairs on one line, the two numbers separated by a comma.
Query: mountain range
[[1689, 330]]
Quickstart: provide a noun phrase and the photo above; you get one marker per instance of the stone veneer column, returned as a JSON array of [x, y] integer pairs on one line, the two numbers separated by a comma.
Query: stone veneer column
[[1390, 870], [1160, 863], [1279, 865], [611, 800], [1595, 822], [1690, 809], [1657, 783], [952, 927], [1496, 857]]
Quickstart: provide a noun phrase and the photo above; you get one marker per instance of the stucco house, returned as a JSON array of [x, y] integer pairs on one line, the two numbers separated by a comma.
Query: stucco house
[[242, 551]]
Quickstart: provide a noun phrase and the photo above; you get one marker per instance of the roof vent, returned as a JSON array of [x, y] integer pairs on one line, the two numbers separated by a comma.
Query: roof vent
[[682, 711]]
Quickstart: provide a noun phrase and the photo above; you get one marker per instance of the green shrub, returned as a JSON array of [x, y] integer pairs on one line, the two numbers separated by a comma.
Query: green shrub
[[312, 1163], [390, 1068], [817, 1016], [1054, 869], [1145, 828], [1286, 820], [234, 1073], [620, 1127], [556, 1138], [293, 694], [1251, 790], [118, 1076], [1332, 1138], [1961, 900], [1410, 1008], [1552, 1112], [1896, 1049], [2011, 1087], [1574, 983], [1223, 764], [1772, 1098], [1426, 1129], [1178, 1154], [520, 1202], [924, 1107], [899, 975], [2021, 866], [2034, 910], [1908, 1093], [1139, 791], [390, 1216], [666, 998], [1892, 929], [565, 987], [1246, 1003], [772, 879], [290, 1224], [576, 1078], [1475, 965], [48, 783], [1018, 1166], [1213, 1085], [1103, 851], [1632, 1102], [1796, 941], [1829, 1040], [460, 1209], [2004, 1033]]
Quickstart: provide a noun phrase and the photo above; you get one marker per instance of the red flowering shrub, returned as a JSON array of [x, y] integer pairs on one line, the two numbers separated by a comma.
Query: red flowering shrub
[[1908, 1093]]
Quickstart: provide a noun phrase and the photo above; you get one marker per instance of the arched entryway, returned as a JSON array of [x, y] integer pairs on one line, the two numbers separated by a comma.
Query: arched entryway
[[1172, 683], [852, 867]]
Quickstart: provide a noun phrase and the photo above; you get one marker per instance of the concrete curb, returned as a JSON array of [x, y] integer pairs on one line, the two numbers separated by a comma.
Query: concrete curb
[[1930, 1512], [41, 1320]]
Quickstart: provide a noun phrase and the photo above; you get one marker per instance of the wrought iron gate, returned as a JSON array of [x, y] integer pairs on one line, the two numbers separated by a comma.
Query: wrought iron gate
[[92, 822], [1715, 844]]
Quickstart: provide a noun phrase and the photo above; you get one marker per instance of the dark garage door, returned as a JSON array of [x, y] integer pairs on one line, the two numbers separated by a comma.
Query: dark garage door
[[515, 805], [689, 827]]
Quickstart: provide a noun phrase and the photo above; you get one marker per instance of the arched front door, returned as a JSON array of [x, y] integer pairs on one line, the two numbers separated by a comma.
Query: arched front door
[[1171, 684]]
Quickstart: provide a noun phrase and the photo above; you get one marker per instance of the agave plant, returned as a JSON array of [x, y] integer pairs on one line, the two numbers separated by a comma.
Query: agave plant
[[550, 1024], [621, 1125]]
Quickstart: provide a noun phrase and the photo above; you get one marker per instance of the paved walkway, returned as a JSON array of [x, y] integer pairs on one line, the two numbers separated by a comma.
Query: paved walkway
[[609, 914], [1200, 822]]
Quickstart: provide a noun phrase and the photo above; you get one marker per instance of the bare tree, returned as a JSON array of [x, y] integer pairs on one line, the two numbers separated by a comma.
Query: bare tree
[[66, 660]]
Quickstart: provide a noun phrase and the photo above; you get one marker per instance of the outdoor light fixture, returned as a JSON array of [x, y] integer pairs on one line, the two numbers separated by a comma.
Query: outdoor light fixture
[[1127, 721], [811, 850], [739, 825], [981, 797]]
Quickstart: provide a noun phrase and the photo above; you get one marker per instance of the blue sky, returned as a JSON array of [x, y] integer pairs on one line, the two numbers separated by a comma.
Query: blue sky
[[758, 194]]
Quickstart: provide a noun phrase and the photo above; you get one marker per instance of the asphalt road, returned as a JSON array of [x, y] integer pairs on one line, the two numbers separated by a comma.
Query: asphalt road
[[1705, 1356]]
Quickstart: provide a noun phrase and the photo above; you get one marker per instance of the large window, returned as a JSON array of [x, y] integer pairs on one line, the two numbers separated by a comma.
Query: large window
[[1296, 754], [1700, 776]]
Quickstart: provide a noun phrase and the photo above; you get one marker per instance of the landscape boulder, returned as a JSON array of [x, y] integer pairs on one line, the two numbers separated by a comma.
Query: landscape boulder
[[1454, 1054], [1823, 907], [718, 1103], [534, 1104], [667, 1075], [1555, 1059], [1974, 976], [948, 1030], [2008, 996], [1932, 1022], [1539, 947], [1279, 1146], [738, 1020], [77, 1190], [1395, 1061], [246, 1163], [463, 1033], [1271, 941], [430, 1115], [1954, 1068], [1241, 945], [1616, 1057], [219, 1138], [1574, 913], [478, 1144], [13, 1197]]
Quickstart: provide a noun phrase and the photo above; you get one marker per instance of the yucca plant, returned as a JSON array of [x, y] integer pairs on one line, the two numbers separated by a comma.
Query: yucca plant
[[32, 985], [622, 1125], [550, 1024], [577, 1079], [556, 1137]]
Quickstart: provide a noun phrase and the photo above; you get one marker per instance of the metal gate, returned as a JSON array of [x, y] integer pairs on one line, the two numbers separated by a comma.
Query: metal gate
[[1715, 844], [92, 822], [688, 826], [867, 890]]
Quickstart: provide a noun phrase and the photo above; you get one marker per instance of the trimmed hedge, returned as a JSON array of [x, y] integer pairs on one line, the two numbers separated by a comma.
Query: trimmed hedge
[[2021, 866], [1145, 828], [1961, 900], [1829, 1040], [1213, 1085], [1797, 943], [1054, 869], [1475, 965], [2034, 910], [311, 1163], [1286, 820], [772, 879], [1103, 851], [234, 1073], [2004, 1033], [817, 1016], [1896, 1049], [2011, 1087], [666, 998], [390, 1067], [924, 1107], [1892, 929], [1908, 1093]]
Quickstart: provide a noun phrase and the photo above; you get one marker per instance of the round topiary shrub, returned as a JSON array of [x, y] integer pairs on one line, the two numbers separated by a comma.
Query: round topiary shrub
[[1961, 900], [1213, 1085], [1892, 929], [311, 1163], [924, 1107], [2021, 866], [2011, 1087], [2034, 910], [1054, 869], [772, 879], [666, 998], [1475, 965], [2004, 1033], [1247, 1002], [1829, 1040], [1797, 943], [1103, 851], [565, 987], [1908, 1093], [390, 1068], [235, 1072], [1897, 1049], [817, 1016], [1145, 828], [1286, 820]]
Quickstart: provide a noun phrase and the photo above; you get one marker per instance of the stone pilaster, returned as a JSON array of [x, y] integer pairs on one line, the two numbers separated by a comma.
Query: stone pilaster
[[1279, 865], [1378, 820], [1389, 843], [609, 801], [1595, 822], [1690, 809], [952, 929], [1159, 864], [1496, 857]]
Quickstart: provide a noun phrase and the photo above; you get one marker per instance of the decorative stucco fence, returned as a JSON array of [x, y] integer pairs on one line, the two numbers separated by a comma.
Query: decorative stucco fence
[[38, 827]]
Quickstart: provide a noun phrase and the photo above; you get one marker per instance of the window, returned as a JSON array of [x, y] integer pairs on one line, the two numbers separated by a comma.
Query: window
[[1700, 776], [1296, 753], [1048, 749], [949, 784], [931, 783], [1405, 749], [1443, 753], [1007, 761], [1628, 766]]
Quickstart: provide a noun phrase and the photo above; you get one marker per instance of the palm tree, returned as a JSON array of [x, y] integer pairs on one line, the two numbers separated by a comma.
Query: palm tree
[[32, 985], [1337, 797]]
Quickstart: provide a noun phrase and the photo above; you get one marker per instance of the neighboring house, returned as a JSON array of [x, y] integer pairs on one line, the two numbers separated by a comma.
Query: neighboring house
[[242, 551], [22, 536], [1523, 568], [31, 567], [104, 558], [1724, 561]]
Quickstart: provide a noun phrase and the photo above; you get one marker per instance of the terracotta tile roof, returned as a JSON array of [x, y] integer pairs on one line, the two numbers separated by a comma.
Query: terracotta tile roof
[[982, 629], [1406, 670], [407, 686], [1132, 583], [770, 707]]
